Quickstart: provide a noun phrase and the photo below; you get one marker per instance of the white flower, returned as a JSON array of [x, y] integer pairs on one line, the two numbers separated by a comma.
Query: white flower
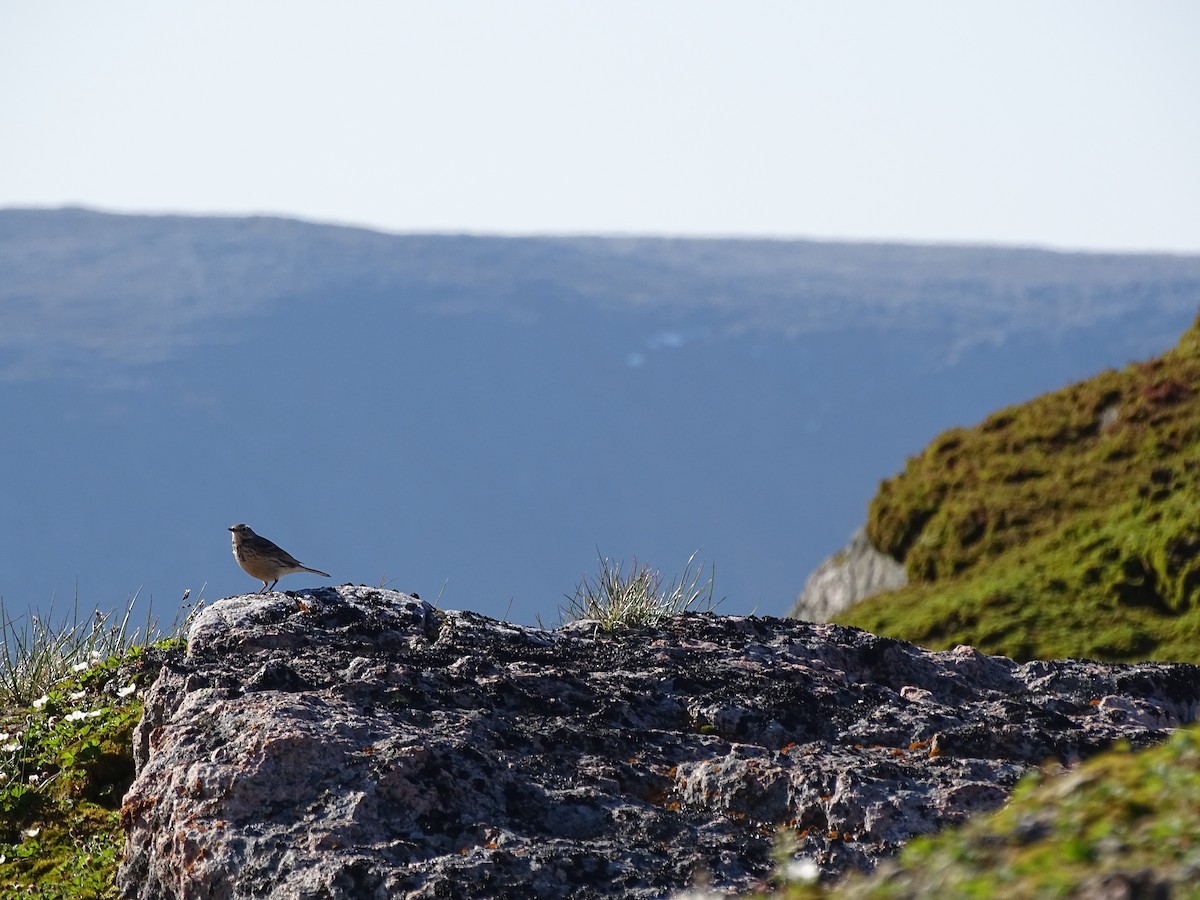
[[34, 778], [75, 716], [78, 695], [9, 748], [802, 870], [41, 701], [127, 690], [31, 832], [80, 666]]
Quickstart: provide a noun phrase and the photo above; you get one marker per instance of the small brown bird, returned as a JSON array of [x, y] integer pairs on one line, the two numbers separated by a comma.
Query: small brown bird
[[262, 559]]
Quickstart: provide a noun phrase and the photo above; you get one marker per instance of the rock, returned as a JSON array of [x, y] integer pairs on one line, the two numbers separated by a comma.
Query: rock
[[356, 743], [855, 572]]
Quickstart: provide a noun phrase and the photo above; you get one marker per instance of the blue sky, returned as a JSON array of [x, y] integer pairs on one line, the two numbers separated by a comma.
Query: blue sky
[[1069, 124]]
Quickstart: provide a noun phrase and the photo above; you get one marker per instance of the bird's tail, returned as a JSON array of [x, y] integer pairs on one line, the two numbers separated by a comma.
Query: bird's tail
[[316, 571]]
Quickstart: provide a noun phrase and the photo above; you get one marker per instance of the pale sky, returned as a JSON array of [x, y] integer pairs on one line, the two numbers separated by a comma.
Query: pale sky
[[1072, 124]]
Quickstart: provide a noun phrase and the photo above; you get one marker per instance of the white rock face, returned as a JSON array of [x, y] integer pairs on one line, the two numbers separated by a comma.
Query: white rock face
[[855, 572]]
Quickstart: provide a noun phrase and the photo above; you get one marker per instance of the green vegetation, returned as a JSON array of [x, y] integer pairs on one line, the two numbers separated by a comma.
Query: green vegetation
[[1120, 816], [69, 702], [639, 598], [1066, 526]]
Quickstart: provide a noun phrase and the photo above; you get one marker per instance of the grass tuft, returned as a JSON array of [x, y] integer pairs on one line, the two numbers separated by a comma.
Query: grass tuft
[[640, 597], [39, 651]]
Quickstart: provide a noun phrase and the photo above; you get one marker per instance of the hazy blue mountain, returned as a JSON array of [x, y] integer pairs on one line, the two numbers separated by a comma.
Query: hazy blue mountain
[[488, 413]]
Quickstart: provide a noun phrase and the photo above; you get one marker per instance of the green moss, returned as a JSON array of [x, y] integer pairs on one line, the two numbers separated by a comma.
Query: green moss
[[65, 764], [1065, 526]]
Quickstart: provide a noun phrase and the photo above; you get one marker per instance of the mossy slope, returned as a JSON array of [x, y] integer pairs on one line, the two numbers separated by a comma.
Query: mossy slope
[[1065, 526]]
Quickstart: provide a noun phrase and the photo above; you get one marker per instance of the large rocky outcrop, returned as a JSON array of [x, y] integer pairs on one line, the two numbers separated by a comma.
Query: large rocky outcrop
[[855, 572], [357, 743]]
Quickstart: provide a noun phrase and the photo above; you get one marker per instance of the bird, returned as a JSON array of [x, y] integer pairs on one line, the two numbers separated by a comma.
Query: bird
[[262, 559]]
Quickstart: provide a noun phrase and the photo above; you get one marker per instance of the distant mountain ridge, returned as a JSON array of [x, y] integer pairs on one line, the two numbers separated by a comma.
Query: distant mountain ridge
[[489, 413], [199, 271]]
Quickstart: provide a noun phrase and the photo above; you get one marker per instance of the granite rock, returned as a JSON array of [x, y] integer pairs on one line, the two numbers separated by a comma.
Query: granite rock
[[357, 743]]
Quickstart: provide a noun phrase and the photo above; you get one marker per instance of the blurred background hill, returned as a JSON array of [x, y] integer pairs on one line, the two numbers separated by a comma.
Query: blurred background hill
[[1061, 527]]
